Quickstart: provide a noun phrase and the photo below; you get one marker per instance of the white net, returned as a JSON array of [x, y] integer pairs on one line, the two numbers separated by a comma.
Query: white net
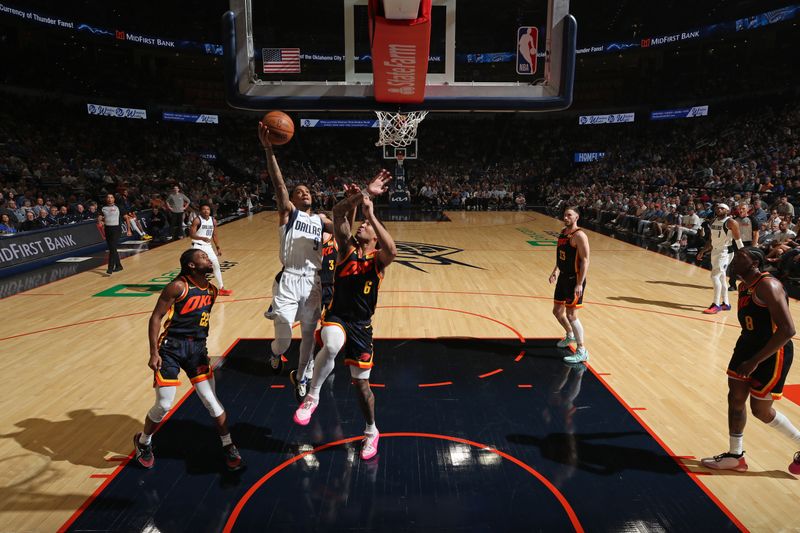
[[398, 129]]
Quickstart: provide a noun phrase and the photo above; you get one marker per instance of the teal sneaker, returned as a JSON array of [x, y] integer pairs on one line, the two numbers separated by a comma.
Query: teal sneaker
[[580, 355], [566, 341]]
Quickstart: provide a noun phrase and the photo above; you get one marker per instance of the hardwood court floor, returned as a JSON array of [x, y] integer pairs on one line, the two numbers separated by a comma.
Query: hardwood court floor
[[77, 385]]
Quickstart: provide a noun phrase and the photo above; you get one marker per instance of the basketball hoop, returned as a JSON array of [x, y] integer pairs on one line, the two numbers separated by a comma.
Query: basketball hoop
[[398, 129]]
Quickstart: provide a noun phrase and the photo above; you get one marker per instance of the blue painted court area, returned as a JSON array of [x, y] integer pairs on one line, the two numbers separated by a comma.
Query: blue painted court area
[[478, 435]]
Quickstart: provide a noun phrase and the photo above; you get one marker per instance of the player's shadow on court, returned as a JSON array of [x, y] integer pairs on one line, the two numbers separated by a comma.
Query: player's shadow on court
[[698, 468], [676, 284], [78, 440], [659, 303], [198, 446], [598, 458]]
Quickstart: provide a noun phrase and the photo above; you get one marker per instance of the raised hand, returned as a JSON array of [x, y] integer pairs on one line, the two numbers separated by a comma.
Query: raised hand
[[263, 135], [351, 190], [380, 183], [367, 207]]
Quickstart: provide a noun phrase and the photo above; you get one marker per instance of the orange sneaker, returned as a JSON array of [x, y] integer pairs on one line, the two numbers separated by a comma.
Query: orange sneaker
[[225, 292]]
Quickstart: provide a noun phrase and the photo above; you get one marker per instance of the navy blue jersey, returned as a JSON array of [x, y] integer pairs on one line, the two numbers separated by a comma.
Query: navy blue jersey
[[355, 287], [189, 315], [330, 251], [567, 254], [754, 318]]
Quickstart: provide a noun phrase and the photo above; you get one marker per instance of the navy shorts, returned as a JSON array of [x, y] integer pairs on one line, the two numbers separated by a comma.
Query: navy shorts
[[357, 347], [189, 354], [565, 291], [768, 378]]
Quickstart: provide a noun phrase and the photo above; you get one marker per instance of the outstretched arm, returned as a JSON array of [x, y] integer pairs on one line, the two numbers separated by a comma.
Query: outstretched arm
[[388, 250], [342, 231], [285, 206]]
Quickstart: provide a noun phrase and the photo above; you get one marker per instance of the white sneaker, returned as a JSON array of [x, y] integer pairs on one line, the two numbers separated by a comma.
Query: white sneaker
[[566, 341], [580, 355], [726, 461]]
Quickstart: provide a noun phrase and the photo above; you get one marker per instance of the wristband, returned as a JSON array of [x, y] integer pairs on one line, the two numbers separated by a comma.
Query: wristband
[[739, 244]]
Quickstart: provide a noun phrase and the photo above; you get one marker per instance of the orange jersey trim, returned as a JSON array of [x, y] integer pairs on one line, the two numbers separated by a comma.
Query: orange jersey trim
[[160, 381], [359, 364]]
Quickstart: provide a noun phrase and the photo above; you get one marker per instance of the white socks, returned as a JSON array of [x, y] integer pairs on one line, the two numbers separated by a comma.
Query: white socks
[[145, 439], [371, 429], [782, 424], [577, 331], [226, 440], [737, 441]]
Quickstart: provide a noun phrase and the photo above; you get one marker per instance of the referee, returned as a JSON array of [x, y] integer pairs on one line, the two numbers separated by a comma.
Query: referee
[[111, 216]]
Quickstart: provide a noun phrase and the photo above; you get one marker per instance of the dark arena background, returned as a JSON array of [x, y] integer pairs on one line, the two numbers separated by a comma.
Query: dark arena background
[[642, 116]]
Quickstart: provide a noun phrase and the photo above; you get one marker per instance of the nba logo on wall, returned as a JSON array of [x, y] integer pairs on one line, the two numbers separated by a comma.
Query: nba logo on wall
[[527, 46]]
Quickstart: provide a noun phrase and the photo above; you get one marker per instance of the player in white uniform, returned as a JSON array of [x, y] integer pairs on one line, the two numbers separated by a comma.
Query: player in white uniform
[[296, 291], [724, 231], [202, 231]]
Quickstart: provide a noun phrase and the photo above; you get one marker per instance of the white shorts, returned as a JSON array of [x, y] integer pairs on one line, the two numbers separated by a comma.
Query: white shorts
[[719, 262], [208, 249], [296, 298]]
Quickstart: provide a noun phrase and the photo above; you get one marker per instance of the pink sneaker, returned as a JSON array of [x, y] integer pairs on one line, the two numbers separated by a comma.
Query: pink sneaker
[[726, 461], [370, 447], [713, 309], [303, 414], [794, 468]]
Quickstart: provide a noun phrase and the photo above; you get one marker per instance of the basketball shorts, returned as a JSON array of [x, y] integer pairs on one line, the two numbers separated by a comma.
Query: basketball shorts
[[327, 294], [296, 297], [565, 291], [769, 377], [187, 353], [357, 349], [719, 262], [208, 249]]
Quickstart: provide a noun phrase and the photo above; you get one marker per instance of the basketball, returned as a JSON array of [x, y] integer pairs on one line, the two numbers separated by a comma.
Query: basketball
[[281, 127]]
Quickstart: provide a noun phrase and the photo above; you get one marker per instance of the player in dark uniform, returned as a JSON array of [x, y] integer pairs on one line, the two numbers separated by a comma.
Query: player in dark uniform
[[187, 302], [347, 322], [748, 232], [569, 275], [761, 358], [330, 253]]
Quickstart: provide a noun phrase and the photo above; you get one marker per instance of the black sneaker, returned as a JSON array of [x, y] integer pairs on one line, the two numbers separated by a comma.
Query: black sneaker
[[233, 459], [276, 364], [300, 387], [144, 452]]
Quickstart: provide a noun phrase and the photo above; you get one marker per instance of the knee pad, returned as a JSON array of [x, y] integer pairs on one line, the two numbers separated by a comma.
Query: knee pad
[[164, 398], [205, 391]]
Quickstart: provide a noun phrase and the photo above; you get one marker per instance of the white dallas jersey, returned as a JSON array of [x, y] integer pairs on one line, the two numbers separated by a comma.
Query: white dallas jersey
[[206, 229], [721, 238], [300, 238]]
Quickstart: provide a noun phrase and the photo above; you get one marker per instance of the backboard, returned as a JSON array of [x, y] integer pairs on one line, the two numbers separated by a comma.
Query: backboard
[[315, 55]]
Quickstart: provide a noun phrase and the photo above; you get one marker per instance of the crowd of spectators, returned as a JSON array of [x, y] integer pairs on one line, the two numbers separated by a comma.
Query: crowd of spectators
[[657, 180], [662, 185]]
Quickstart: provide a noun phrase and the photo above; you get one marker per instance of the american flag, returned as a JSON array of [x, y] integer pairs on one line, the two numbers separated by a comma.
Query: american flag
[[281, 60]]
